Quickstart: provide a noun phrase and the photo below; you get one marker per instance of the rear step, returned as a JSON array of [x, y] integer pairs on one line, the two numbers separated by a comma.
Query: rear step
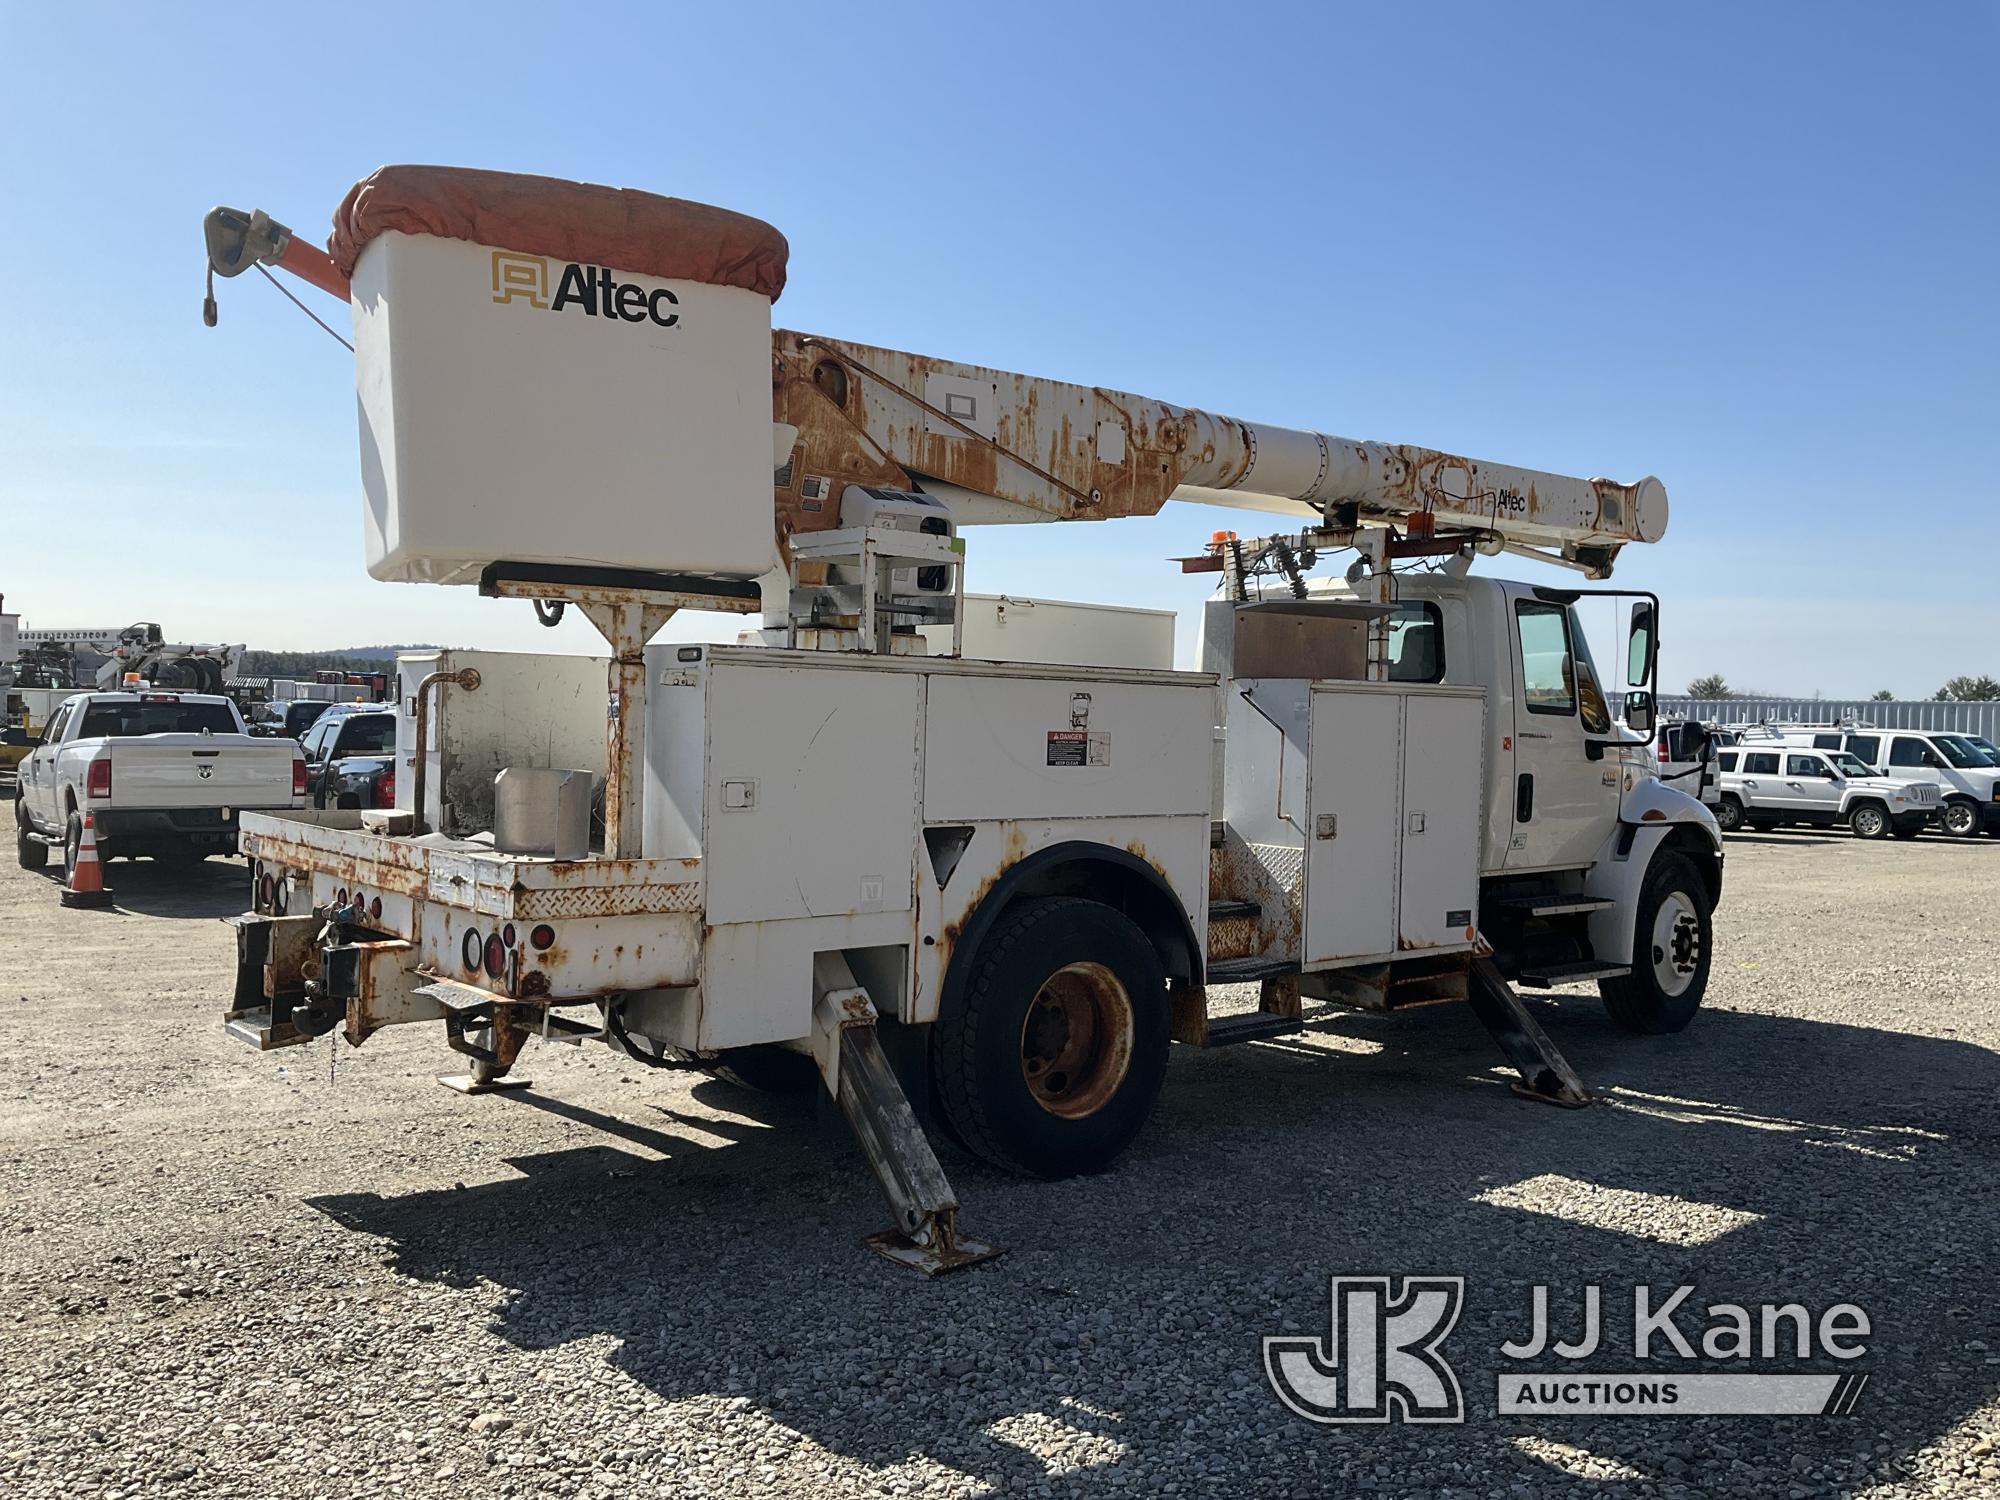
[[1249, 970], [1551, 905], [253, 1028], [1250, 1026], [1231, 911], [1548, 976]]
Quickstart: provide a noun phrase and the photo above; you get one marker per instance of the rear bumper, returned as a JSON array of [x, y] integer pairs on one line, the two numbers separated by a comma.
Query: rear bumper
[[196, 827]]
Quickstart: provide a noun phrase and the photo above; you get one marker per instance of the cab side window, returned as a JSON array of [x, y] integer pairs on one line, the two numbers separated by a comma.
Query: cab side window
[[1416, 643], [1905, 751], [1761, 763], [1826, 742], [1727, 760], [1805, 765], [1866, 747], [1548, 678], [53, 730]]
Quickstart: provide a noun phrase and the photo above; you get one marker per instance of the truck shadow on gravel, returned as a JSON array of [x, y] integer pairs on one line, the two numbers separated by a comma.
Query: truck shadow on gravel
[[214, 888], [1756, 1158], [217, 888]]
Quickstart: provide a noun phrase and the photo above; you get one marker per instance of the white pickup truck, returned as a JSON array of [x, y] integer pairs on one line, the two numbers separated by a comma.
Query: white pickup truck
[[163, 773]]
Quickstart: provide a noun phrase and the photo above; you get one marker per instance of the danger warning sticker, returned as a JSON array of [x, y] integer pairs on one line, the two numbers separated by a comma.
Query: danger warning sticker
[[1078, 747]]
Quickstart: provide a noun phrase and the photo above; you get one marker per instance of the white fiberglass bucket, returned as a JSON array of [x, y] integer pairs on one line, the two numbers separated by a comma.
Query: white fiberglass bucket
[[521, 409]]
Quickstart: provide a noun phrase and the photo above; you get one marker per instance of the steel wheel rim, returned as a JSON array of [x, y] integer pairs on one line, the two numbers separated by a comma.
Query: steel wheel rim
[[1958, 818], [1868, 822], [1730, 817], [1676, 944], [1076, 1040]]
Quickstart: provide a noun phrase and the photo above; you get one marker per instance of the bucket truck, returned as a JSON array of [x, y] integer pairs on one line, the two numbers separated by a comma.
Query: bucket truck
[[850, 843]]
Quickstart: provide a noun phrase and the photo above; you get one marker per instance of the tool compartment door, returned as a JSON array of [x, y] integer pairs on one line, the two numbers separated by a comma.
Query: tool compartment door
[[1352, 797], [1444, 741]]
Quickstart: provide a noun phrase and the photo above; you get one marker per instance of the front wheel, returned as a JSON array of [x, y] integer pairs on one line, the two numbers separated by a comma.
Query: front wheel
[[31, 852], [1050, 1058], [1962, 819], [1671, 947], [1729, 814], [1869, 820]]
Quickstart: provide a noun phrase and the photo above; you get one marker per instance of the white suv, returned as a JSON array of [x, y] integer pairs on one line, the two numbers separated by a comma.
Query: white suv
[[1967, 783], [1770, 784]]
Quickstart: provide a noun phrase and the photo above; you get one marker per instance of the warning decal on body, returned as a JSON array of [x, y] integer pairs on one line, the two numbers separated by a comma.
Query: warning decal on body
[[1078, 747]]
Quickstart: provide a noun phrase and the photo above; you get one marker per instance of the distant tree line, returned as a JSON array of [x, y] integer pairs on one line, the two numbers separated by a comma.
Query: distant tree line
[[300, 665], [1961, 689]]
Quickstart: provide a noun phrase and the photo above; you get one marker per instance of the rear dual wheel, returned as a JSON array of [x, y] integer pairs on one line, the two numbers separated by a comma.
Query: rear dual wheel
[[1050, 1058]]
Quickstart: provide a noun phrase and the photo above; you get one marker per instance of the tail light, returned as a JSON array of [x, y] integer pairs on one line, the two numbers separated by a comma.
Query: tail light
[[496, 956], [98, 784], [298, 778], [385, 787]]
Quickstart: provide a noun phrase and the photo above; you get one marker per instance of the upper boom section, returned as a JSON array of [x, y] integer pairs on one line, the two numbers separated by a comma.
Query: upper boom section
[[1005, 447]]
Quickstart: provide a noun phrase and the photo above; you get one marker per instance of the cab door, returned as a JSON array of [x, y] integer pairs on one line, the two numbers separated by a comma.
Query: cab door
[[1809, 787], [1565, 788]]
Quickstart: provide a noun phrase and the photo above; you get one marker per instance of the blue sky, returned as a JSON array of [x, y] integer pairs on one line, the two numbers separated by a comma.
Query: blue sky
[[1750, 249]]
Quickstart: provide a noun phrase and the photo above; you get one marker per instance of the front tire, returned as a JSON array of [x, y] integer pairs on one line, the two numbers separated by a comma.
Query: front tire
[[1672, 943], [1729, 814], [1869, 820], [1962, 819], [31, 852], [1050, 1059]]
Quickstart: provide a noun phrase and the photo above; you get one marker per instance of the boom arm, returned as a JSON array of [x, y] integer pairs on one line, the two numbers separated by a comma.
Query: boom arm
[[1004, 447]]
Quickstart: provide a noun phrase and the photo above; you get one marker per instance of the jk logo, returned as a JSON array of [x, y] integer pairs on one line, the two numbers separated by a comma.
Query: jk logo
[[1380, 1361]]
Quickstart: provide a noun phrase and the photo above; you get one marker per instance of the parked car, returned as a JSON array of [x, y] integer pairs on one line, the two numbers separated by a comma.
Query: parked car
[[289, 718], [164, 775], [1968, 786], [1684, 753], [348, 752], [1766, 786]]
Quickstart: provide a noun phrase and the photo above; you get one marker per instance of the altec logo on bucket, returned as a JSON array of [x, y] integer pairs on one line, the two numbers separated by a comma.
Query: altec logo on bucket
[[525, 278]]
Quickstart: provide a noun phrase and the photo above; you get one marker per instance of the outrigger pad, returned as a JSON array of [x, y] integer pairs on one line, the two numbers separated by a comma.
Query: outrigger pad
[[465, 1083], [932, 1260]]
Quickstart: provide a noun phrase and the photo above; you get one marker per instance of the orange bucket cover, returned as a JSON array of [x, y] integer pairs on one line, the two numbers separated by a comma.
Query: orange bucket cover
[[575, 221]]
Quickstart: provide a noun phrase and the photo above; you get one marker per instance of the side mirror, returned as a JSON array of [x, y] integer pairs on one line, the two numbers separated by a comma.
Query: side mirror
[[1639, 711], [1639, 647]]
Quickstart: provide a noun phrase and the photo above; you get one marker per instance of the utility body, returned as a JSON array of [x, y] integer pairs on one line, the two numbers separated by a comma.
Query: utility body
[[164, 775], [847, 847]]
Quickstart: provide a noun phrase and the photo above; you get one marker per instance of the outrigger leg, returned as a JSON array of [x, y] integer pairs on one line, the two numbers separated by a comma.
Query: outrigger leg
[[1545, 1073], [858, 1075]]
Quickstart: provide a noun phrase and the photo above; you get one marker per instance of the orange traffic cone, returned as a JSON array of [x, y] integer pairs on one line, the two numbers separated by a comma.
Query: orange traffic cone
[[86, 875]]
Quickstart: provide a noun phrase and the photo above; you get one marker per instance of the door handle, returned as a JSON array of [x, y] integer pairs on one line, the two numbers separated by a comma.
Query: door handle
[[1524, 798]]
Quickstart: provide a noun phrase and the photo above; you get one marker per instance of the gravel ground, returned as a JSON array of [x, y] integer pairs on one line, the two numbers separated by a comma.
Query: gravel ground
[[316, 1273]]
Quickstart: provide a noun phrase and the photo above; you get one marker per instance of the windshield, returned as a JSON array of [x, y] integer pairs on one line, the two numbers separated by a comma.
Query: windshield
[[1983, 745], [130, 720], [1849, 765], [1591, 706], [1957, 751]]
